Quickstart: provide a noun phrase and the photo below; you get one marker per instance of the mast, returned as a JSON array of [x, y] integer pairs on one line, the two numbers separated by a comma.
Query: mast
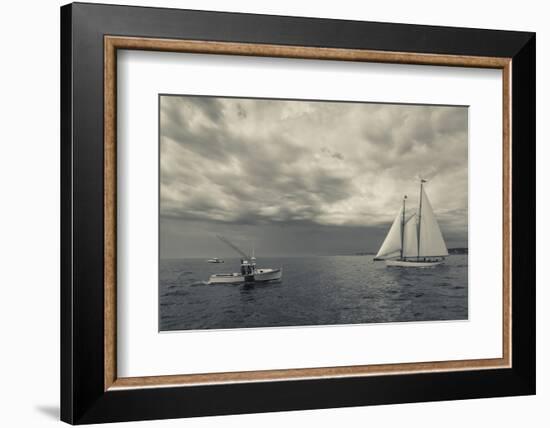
[[422, 181], [403, 226]]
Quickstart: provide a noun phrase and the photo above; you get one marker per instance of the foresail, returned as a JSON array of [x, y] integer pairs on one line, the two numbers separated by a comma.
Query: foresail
[[410, 241], [431, 240], [391, 247]]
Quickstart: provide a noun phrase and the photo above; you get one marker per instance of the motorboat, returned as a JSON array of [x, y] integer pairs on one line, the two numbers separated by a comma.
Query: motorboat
[[249, 272]]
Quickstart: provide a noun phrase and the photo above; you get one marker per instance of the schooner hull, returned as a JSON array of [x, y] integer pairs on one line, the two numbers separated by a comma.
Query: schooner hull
[[414, 264]]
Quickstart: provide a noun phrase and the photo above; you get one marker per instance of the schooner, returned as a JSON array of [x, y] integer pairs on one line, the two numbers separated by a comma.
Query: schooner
[[414, 240]]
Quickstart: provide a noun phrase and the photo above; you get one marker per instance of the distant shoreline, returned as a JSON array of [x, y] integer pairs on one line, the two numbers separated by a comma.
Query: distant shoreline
[[452, 251]]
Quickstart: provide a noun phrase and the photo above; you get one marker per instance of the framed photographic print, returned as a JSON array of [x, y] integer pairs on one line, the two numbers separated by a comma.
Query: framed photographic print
[[265, 213]]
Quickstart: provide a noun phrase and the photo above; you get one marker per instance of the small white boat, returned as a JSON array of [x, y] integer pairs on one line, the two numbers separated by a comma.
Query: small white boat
[[248, 273], [215, 260], [414, 239]]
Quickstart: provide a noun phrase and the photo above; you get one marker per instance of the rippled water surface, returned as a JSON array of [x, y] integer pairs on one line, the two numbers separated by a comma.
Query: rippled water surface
[[313, 291]]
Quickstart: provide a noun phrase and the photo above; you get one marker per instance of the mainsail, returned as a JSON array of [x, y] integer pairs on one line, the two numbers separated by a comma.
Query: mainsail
[[415, 236]]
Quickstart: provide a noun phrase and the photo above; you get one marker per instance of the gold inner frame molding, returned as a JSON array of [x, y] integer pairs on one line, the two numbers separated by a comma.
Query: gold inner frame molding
[[113, 43]]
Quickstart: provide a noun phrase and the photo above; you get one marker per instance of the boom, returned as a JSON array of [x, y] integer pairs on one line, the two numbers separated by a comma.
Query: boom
[[233, 246]]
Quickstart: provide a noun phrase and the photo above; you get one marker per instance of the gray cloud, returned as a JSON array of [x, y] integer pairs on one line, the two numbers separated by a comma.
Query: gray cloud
[[321, 164]]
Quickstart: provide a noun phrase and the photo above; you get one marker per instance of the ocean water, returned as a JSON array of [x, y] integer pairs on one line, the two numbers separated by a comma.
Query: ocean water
[[313, 291]]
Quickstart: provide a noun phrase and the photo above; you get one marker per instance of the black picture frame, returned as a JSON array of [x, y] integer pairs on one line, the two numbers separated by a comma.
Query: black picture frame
[[83, 398]]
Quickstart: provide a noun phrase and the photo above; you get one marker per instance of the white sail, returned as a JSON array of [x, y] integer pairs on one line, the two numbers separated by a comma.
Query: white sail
[[391, 247], [410, 235], [419, 234], [431, 240]]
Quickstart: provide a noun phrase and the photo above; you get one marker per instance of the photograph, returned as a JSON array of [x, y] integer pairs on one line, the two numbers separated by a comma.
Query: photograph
[[283, 212]]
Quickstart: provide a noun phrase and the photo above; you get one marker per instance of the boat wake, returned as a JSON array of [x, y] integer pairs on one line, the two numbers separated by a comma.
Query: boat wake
[[198, 283]]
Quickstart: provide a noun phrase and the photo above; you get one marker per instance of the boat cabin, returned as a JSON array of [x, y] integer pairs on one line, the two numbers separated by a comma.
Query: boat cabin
[[247, 268]]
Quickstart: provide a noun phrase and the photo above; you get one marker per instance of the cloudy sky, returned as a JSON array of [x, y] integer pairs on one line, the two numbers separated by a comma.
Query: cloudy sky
[[304, 177]]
